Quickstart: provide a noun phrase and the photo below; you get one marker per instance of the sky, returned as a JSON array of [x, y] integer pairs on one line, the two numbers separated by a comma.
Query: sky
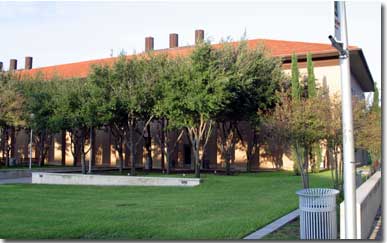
[[64, 32]]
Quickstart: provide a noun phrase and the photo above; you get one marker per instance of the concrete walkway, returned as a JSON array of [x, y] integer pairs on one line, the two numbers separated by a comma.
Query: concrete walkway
[[273, 226], [377, 231], [20, 180]]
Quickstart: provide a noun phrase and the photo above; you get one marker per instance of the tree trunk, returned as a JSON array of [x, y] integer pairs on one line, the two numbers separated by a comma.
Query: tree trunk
[[121, 157], [162, 145], [2, 145], [228, 159], [306, 166], [168, 162], [132, 152], [148, 147], [75, 155], [13, 142], [83, 160], [41, 149], [195, 148], [63, 161], [6, 146], [91, 151]]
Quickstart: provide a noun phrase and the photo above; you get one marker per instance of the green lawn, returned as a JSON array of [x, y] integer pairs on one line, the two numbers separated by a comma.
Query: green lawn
[[222, 207]]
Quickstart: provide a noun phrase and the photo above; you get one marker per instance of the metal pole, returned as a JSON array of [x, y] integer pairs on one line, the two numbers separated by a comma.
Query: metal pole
[[347, 120], [30, 149]]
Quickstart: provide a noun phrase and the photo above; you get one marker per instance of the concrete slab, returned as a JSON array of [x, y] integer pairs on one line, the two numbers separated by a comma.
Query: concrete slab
[[20, 180], [273, 226], [14, 173], [105, 180]]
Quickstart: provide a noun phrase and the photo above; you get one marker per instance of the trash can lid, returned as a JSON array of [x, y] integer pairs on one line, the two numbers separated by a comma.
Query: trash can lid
[[317, 192]]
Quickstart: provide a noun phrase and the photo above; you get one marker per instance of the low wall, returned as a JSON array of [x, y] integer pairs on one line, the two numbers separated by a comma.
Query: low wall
[[14, 173], [368, 201], [104, 180]]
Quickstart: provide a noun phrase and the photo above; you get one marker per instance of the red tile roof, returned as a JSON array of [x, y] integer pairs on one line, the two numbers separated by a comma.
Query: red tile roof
[[278, 48]]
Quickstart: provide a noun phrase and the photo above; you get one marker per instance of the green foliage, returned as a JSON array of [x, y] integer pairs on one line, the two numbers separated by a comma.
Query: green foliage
[[317, 158], [39, 105], [311, 77], [75, 108], [296, 166], [253, 79], [11, 101], [295, 82], [367, 129], [375, 102], [192, 95]]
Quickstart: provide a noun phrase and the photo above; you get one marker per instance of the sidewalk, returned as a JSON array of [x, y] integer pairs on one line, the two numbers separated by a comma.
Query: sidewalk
[[273, 226], [377, 232], [20, 180]]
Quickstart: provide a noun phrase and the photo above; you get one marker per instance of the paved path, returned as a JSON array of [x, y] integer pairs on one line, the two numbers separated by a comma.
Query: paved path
[[16, 180], [273, 226], [377, 231]]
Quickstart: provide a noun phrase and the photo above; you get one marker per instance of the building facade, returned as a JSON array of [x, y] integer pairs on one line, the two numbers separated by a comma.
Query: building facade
[[327, 73]]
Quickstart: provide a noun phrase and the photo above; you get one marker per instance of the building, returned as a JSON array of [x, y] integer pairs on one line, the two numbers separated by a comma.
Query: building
[[327, 72]]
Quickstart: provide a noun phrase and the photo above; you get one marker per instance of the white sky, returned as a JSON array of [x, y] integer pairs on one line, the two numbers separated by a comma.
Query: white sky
[[62, 32]]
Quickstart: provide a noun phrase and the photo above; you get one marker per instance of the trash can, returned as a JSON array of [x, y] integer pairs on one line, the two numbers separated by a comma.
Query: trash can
[[318, 213]]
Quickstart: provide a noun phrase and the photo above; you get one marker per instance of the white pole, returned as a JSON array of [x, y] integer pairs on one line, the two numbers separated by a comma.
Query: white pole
[[347, 120], [30, 149]]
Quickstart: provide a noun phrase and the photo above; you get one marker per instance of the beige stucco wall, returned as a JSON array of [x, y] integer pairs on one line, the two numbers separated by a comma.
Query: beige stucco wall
[[330, 76]]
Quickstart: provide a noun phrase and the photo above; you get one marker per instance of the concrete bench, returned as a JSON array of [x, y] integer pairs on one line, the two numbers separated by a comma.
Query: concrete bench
[[105, 180]]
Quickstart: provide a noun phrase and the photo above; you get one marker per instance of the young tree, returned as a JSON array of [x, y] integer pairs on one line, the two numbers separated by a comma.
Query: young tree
[[367, 127], [275, 129], [11, 103], [38, 110], [315, 151], [114, 112], [306, 129], [295, 84], [194, 94], [375, 102], [311, 78], [169, 75], [132, 94], [253, 78], [78, 110], [295, 97]]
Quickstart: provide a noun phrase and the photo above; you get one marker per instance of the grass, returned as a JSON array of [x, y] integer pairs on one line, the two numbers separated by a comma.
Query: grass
[[222, 207]]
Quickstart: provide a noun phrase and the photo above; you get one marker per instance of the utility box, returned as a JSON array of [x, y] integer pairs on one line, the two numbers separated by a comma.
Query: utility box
[[318, 218]]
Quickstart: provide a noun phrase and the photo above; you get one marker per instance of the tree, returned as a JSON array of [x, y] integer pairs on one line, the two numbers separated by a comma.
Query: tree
[[375, 102], [311, 77], [306, 128], [295, 84], [38, 110], [253, 78], [295, 96], [170, 74], [367, 127], [315, 152], [78, 109], [132, 95], [11, 103], [114, 112], [275, 129], [193, 95]]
